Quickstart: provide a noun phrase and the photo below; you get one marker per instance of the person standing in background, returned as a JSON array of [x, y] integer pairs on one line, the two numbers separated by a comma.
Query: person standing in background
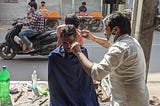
[[83, 7], [43, 6], [82, 10], [43, 9]]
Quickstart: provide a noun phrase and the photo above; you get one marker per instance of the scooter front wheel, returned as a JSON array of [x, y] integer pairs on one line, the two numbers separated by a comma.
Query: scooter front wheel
[[6, 52]]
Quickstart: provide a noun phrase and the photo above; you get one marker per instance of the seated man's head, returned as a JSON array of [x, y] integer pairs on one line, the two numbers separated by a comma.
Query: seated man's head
[[72, 19], [68, 36]]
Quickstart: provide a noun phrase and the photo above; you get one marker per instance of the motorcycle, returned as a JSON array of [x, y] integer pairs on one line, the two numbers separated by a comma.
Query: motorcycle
[[43, 43]]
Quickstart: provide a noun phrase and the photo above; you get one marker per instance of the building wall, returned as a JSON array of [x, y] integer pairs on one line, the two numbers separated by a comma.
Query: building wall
[[12, 10]]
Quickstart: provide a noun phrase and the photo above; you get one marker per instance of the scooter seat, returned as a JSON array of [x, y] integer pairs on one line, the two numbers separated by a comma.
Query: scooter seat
[[42, 35]]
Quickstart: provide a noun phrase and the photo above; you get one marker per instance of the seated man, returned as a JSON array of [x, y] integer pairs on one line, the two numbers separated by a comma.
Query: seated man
[[69, 85], [36, 26]]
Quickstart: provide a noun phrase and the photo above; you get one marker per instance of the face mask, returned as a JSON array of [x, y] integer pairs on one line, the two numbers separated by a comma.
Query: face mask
[[29, 10], [111, 39]]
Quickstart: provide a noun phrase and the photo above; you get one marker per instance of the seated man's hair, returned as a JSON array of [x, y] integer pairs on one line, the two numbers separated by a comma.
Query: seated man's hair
[[68, 30]]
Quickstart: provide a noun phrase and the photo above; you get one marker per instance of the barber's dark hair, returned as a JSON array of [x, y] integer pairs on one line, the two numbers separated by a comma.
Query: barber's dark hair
[[33, 4], [120, 20], [72, 19], [68, 30]]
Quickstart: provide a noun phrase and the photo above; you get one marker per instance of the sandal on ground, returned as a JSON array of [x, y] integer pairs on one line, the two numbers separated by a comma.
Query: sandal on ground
[[26, 48], [155, 101], [30, 46]]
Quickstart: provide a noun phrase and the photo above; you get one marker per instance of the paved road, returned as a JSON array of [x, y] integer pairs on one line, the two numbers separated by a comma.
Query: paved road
[[22, 66]]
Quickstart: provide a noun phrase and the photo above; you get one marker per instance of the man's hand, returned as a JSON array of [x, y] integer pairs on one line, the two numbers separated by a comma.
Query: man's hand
[[87, 34], [60, 27], [75, 48], [26, 24], [18, 24]]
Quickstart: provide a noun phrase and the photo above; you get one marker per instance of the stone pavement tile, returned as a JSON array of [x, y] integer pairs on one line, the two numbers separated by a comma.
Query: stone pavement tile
[[154, 84]]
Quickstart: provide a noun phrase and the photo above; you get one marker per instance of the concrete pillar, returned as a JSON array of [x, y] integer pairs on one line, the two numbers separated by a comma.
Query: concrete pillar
[[143, 25]]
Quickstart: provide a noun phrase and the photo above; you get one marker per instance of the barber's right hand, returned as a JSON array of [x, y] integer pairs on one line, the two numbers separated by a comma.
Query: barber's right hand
[[87, 34]]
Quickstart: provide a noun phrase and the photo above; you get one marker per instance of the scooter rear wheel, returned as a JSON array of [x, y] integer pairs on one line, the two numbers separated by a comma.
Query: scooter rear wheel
[[6, 52]]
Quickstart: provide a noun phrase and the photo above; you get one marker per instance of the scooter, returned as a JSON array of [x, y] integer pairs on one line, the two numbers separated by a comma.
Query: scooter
[[43, 43]]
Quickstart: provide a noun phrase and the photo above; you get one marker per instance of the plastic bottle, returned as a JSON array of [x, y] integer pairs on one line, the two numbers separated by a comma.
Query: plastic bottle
[[5, 87], [34, 79], [42, 91], [34, 83]]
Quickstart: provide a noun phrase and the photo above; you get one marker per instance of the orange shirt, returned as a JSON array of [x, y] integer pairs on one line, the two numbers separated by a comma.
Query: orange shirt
[[42, 7]]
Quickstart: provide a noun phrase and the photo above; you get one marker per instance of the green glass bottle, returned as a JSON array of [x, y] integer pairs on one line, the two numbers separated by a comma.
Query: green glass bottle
[[5, 87]]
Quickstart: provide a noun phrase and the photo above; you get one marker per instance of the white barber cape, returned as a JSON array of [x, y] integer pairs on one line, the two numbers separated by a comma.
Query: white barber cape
[[126, 66]]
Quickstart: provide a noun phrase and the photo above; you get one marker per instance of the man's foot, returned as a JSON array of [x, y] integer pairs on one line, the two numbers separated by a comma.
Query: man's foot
[[21, 43], [24, 47], [30, 46], [18, 41]]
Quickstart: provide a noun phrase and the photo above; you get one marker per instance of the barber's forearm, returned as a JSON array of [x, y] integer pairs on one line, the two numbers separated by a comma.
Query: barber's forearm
[[102, 41], [86, 64]]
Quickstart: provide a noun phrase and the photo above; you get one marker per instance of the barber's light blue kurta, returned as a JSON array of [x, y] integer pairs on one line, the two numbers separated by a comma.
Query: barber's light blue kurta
[[69, 84], [126, 66]]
